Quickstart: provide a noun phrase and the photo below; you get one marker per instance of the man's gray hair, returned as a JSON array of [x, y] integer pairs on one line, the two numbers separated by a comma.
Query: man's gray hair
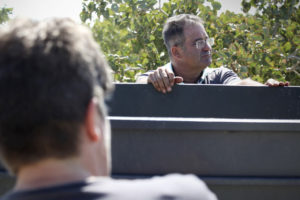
[[173, 31]]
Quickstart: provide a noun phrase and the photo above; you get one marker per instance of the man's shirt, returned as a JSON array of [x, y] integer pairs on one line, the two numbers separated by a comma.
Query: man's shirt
[[174, 186], [219, 75]]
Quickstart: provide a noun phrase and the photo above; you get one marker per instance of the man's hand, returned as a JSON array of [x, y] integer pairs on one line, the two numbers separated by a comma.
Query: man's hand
[[274, 83], [163, 80]]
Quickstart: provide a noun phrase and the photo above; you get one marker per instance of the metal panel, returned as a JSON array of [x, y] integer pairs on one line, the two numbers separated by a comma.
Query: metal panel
[[215, 147], [248, 188], [221, 133], [237, 158], [212, 101]]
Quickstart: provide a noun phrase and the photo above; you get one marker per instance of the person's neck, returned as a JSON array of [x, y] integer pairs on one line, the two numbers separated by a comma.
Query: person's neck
[[50, 172], [189, 75]]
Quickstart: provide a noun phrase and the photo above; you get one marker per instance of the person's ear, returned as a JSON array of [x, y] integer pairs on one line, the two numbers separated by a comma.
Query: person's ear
[[92, 121], [176, 52]]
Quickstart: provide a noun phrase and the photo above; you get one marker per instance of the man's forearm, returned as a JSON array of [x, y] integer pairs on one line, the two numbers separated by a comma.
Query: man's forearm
[[248, 82]]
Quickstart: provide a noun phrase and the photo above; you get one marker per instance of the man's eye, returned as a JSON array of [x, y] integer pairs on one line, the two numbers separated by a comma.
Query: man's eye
[[200, 44]]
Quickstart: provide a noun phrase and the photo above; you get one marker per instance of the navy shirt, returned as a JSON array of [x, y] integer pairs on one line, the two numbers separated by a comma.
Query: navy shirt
[[219, 75]]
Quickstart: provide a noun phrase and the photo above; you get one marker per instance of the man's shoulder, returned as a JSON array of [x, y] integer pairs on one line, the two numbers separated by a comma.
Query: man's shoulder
[[167, 180], [220, 75], [217, 69], [173, 185]]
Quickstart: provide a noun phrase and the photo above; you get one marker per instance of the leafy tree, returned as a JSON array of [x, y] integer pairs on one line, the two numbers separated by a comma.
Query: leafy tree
[[4, 14], [279, 37], [129, 32]]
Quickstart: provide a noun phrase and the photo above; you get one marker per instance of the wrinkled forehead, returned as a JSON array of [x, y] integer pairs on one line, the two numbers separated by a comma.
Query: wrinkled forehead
[[194, 30]]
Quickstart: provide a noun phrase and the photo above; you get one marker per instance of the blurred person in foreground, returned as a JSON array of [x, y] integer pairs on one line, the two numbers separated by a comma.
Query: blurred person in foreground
[[54, 135], [190, 52]]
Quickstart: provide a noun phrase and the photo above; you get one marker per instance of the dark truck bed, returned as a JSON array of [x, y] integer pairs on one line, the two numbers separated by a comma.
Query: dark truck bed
[[244, 142]]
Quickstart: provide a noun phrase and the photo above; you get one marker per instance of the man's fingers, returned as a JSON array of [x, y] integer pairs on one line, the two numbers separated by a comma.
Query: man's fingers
[[160, 81], [178, 79], [171, 78], [165, 79], [274, 83], [154, 81], [281, 83], [287, 83]]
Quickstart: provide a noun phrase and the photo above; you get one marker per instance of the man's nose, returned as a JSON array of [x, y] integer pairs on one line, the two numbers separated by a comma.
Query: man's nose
[[207, 46]]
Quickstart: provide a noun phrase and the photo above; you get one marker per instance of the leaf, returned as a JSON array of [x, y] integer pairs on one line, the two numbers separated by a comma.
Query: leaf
[[115, 7], [246, 6], [216, 5], [152, 38], [287, 46], [4, 14]]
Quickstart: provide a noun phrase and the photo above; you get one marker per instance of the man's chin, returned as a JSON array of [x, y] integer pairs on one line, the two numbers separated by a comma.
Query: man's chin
[[206, 62]]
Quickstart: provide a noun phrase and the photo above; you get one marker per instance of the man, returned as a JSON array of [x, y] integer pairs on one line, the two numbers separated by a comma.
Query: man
[[54, 135], [189, 48]]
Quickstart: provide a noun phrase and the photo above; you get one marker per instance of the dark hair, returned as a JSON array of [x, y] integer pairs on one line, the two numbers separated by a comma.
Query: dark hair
[[173, 31], [49, 72]]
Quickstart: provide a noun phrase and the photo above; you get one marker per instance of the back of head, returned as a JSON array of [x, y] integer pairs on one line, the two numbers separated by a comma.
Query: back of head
[[49, 72], [173, 31]]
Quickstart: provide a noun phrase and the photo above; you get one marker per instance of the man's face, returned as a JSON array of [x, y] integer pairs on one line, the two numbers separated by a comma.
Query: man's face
[[105, 142], [95, 150], [196, 57]]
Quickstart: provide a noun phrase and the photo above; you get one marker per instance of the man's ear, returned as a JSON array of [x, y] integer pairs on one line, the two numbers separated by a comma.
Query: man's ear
[[176, 52], [92, 121]]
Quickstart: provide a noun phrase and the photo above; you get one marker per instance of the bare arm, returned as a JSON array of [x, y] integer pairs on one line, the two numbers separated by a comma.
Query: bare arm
[[142, 79], [270, 83], [248, 82]]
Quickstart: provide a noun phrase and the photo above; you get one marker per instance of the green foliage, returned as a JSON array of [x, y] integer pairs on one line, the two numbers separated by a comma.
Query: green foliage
[[277, 26], [260, 46], [4, 14]]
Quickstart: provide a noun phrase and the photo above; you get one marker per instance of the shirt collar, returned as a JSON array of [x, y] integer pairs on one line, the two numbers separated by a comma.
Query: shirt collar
[[199, 81]]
